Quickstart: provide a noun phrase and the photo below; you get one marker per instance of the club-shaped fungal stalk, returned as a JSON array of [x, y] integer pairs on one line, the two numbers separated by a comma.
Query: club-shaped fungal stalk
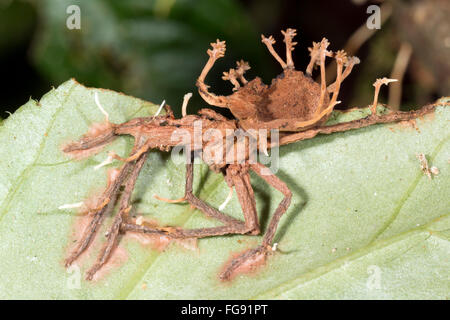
[[323, 53], [241, 67], [289, 34], [377, 84], [160, 108], [186, 98], [314, 53], [269, 42], [99, 105], [217, 52], [351, 62]]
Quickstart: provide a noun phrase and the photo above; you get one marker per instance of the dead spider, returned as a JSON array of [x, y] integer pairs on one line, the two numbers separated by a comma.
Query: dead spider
[[293, 104]]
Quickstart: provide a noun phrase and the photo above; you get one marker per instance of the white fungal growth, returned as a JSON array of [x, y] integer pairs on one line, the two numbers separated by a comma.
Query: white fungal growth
[[107, 161], [434, 170], [160, 108], [186, 98], [71, 205], [224, 204], [274, 247], [97, 102]]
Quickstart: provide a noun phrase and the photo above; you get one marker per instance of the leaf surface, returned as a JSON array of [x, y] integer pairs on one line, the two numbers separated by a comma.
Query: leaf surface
[[364, 222]]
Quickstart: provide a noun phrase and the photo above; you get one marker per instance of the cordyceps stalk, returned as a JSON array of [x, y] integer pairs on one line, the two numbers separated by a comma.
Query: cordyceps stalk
[[341, 59]]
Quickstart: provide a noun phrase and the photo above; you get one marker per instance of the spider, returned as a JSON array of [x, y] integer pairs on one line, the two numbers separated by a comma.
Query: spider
[[294, 104]]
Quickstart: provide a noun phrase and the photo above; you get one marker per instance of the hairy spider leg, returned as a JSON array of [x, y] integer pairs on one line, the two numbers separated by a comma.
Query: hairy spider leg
[[135, 155], [341, 59], [394, 116], [241, 180], [109, 196], [107, 199], [125, 207], [265, 248]]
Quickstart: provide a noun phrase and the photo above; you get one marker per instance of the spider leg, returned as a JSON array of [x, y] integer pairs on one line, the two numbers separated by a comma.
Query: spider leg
[[107, 199], [355, 124], [261, 252], [200, 204], [217, 52], [134, 156], [241, 180], [92, 143], [269, 44], [113, 232], [289, 34]]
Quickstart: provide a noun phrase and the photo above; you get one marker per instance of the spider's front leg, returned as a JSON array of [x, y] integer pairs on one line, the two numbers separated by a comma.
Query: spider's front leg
[[260, 253], [234, 74], [269, 42], [107, 201], [121, 217], [289, 34]]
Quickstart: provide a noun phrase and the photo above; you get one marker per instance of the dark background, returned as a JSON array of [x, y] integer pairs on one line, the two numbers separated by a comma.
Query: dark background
[[155, 50]]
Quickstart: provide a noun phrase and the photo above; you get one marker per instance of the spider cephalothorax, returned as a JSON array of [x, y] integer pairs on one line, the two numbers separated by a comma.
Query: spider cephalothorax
[[293, 101]]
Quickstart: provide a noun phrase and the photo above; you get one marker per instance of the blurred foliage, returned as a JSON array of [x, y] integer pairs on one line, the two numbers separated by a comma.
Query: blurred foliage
[[151, 49], [9, 17], [155, 49]]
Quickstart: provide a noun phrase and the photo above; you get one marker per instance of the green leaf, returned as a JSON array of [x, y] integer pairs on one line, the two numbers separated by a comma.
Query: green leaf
[[364, 222]]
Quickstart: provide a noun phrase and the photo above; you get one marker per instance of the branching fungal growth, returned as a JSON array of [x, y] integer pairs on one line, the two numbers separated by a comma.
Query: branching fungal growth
[[293, 103]]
